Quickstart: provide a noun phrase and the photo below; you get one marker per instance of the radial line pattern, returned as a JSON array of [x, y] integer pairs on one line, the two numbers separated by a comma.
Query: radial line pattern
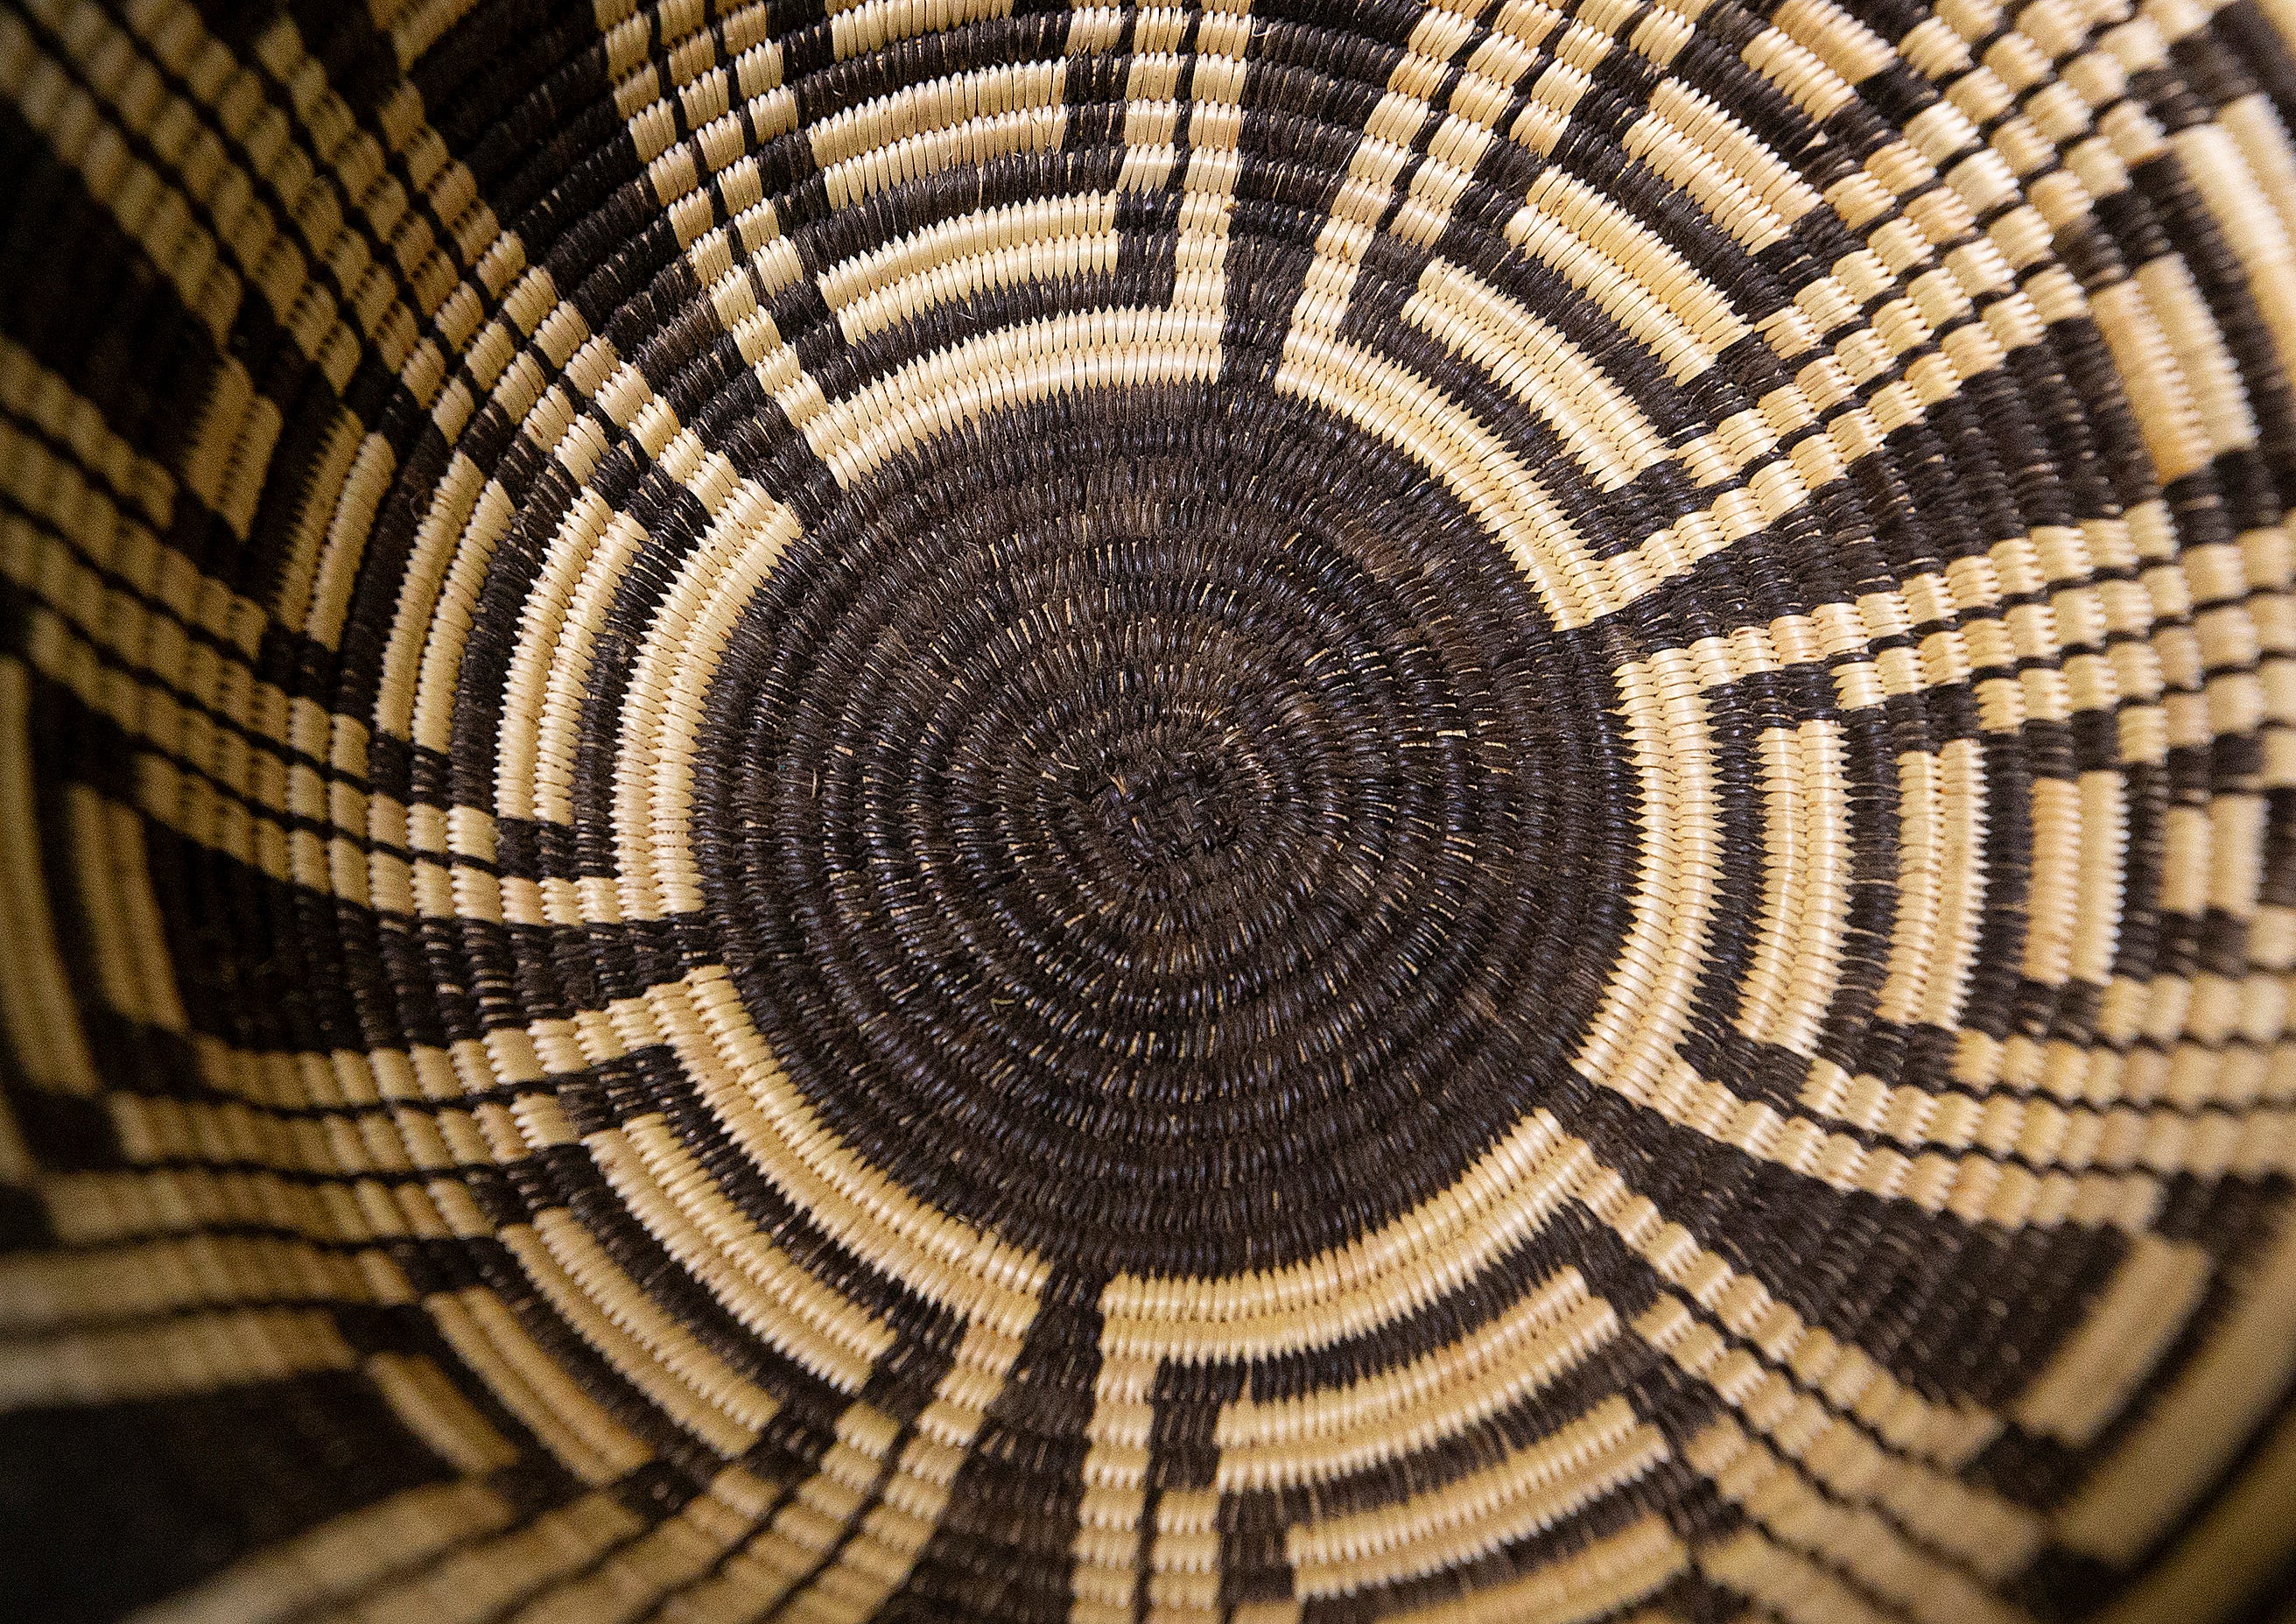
[[1268, 811]]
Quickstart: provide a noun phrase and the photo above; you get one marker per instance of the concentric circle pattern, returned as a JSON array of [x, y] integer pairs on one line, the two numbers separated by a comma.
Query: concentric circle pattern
[[1291, 810], [1169, 812]]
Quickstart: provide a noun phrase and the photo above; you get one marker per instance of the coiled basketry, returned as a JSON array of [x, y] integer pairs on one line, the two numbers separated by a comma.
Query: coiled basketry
[[1299, 810]]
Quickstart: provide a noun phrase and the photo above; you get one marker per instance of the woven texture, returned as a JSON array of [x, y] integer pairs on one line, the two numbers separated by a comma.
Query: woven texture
[[1312, 810]]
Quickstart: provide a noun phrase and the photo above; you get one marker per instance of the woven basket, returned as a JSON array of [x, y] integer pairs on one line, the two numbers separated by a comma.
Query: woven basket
[[1312, 810]]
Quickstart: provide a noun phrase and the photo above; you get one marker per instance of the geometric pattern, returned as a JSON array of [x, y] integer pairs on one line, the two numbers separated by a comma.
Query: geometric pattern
[[1283, 810]]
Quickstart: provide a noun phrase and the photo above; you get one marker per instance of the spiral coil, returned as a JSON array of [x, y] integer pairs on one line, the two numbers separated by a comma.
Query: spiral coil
[[1304, 809]]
